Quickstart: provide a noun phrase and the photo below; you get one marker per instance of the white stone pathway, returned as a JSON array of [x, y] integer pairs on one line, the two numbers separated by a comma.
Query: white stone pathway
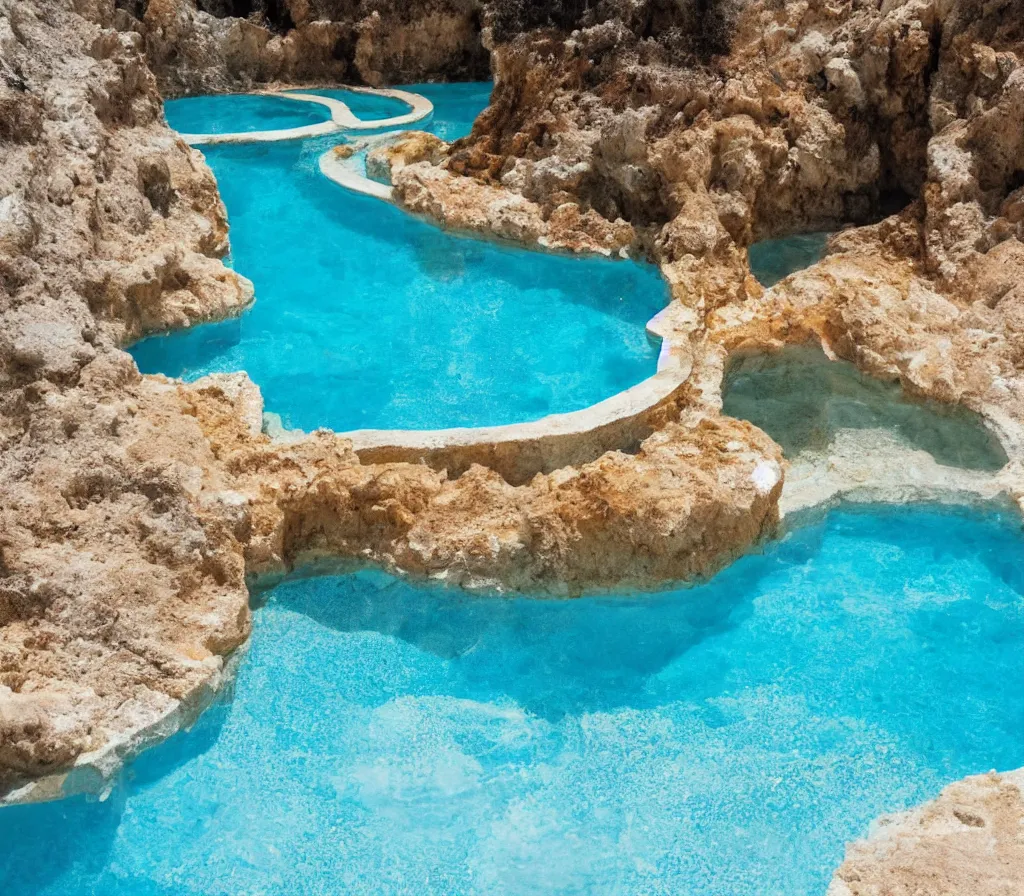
[[341, 118]]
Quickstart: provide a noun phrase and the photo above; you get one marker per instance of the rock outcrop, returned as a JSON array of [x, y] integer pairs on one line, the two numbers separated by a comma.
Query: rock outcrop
[[965, 842], [385, 161], [121, 589]]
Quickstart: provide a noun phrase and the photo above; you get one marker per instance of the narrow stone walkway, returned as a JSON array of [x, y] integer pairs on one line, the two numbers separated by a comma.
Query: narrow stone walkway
[[341, 118]]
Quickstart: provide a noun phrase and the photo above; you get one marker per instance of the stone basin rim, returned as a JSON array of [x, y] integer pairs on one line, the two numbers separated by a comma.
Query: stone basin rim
[[342, 118], [518, 451], [94, 774]]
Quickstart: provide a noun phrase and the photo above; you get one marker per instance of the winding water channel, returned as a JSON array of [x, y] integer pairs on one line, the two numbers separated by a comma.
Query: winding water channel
[[384, 738]]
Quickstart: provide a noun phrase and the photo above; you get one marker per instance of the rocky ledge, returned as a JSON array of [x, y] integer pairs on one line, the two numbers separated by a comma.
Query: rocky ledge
[[136, 510]]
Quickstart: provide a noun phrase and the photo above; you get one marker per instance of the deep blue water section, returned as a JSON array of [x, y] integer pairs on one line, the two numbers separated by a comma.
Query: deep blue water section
[[368, 317], [235, 113], [367, 106], [724, 740]]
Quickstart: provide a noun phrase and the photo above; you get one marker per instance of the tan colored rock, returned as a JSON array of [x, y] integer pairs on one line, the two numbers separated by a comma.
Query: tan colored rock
[[462, 203], [967, 841], [196, 48], [410, 147], [697, 492]]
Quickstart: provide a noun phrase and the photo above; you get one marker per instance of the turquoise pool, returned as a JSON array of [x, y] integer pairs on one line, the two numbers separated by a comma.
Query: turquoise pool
[[725, 740], [366, 106], [369, 318], [235, 113]]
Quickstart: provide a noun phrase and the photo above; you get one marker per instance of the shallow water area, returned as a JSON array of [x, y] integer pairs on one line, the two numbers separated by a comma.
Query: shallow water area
[[367, 317], [238, 113], [804, 401], [723, 740]]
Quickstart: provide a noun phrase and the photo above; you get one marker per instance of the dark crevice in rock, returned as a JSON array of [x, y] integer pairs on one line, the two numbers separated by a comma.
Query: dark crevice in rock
[[273, 14], [135, 8]]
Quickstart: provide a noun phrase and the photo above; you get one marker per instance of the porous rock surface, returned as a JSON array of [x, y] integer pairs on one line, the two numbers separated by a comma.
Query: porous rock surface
[[383, 162], [966, 842]]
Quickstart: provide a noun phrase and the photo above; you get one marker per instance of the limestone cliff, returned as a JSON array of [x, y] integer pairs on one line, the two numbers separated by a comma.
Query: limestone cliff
[[218, 45]]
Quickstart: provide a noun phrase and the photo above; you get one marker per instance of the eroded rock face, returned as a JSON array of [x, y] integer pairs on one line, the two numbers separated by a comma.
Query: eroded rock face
[[819, 116], [462, 203], [120, 590], [699, 490], [210, 45]]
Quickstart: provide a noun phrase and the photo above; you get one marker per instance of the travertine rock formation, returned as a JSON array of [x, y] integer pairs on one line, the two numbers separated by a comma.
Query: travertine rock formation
[[666, 513], [461, 203], [820, 116], [965, 842], [119, 590], [133, 508]]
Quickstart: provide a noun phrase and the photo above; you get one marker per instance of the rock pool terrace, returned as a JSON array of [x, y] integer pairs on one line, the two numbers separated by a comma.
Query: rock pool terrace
[[137, 510], [669, 442], [467, 529], [520, 451]]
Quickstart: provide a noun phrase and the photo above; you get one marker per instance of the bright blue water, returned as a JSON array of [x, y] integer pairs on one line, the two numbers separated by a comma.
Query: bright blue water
[[456, 106], [366, 106], [725, 740], [368, 317], [231, 113], [772, 260]]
